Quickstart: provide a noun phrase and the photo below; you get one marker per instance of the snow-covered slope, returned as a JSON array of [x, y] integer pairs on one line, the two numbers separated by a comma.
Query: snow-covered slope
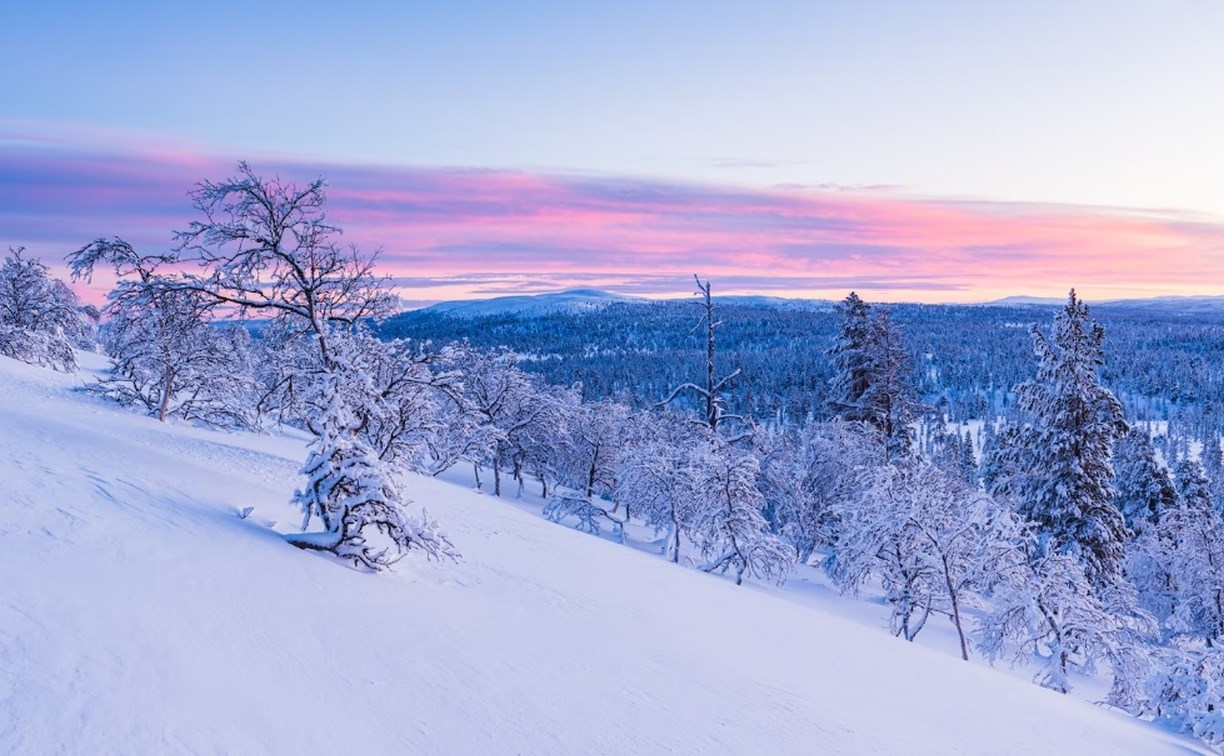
[[139, 615]]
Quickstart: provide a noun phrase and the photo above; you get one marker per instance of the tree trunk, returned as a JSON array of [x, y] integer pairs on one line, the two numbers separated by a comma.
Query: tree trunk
[[954, 597], [167, 391]]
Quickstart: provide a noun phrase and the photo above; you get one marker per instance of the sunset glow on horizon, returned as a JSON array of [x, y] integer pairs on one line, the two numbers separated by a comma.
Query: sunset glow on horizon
[[456, 233]]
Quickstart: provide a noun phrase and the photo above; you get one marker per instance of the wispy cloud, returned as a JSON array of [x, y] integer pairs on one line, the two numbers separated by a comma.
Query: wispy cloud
[[460, 232]]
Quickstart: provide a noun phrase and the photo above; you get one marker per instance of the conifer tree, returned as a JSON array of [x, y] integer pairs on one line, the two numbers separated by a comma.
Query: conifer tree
[[1058, 468], [1144, 490], [871, 381], [851, 359]]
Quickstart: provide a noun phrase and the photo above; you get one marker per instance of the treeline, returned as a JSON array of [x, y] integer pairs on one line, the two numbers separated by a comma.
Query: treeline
[[1060, 535], [967, 358]]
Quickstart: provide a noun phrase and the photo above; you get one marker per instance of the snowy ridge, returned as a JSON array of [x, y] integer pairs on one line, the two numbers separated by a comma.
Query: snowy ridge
[[1024, 299], [531, 304], [572, 300], [593, 299], [141, 615], [1165, 304]]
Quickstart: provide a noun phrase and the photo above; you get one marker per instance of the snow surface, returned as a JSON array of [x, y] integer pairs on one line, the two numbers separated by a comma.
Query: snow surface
[[140, 614]]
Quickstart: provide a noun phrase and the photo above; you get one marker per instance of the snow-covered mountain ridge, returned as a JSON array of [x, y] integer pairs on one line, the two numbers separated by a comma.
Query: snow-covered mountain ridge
[[572, 300], [591, 299], [140, 615]]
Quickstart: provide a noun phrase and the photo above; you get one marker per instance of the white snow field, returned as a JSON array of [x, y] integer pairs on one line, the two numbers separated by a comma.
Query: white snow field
[[140, 615]]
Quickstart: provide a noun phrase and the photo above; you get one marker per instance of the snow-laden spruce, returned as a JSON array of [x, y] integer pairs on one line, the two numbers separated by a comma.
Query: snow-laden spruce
[[1057, 467], [1144, 489]]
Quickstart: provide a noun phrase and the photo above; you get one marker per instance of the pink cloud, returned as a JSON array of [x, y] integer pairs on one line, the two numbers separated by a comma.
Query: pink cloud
[[447, 233]]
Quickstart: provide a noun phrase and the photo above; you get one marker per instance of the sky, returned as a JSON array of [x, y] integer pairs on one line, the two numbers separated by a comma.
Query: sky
[[936, 151]]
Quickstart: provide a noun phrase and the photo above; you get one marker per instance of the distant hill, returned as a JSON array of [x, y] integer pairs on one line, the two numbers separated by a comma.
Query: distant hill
[[572, 300], [579, 300], [1186, 305], [530, 304], [1168, 304], [1022, 299]]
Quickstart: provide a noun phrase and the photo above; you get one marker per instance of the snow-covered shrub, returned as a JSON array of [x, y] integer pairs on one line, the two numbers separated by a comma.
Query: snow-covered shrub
[[351, 491], [1044, 602], [588, 513], [654, 478], [1186, 690], [727, 524]]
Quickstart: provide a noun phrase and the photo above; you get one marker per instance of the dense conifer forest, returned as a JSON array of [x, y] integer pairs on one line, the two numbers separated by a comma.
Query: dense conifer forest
[[967, 358]]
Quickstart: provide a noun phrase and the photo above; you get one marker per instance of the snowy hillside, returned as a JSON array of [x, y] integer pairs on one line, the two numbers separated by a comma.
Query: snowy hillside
[[140, 615]]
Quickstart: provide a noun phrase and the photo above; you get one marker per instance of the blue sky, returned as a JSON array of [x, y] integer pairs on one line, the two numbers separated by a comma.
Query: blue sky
[[1085, 104]]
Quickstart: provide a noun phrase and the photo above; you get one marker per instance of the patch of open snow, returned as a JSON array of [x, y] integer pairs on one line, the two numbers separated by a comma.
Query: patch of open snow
[[139, 615]]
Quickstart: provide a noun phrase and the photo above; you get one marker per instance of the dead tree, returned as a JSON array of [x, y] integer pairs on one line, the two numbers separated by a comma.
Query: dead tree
[[712, 393]]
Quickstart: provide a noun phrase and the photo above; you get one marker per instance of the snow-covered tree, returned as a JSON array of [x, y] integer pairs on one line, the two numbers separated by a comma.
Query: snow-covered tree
[[1193, 534], [408, 389], [807, 475], [1044, 602], [728, 526], [511, 403], [285, 361], [850, 356], [968, 463], [349, 489], [876, 537], [169, 357], [871, 381], [1144, 490], [595, 432], [934, 542], [1058, 469], [1149, 568], [712, 391], [1186, 690], [654, 478], [265, 246], [40, 318]]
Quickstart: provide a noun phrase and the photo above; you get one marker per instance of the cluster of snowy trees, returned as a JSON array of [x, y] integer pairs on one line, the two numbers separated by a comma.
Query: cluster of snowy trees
[[41, 320], [1078, 540]]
